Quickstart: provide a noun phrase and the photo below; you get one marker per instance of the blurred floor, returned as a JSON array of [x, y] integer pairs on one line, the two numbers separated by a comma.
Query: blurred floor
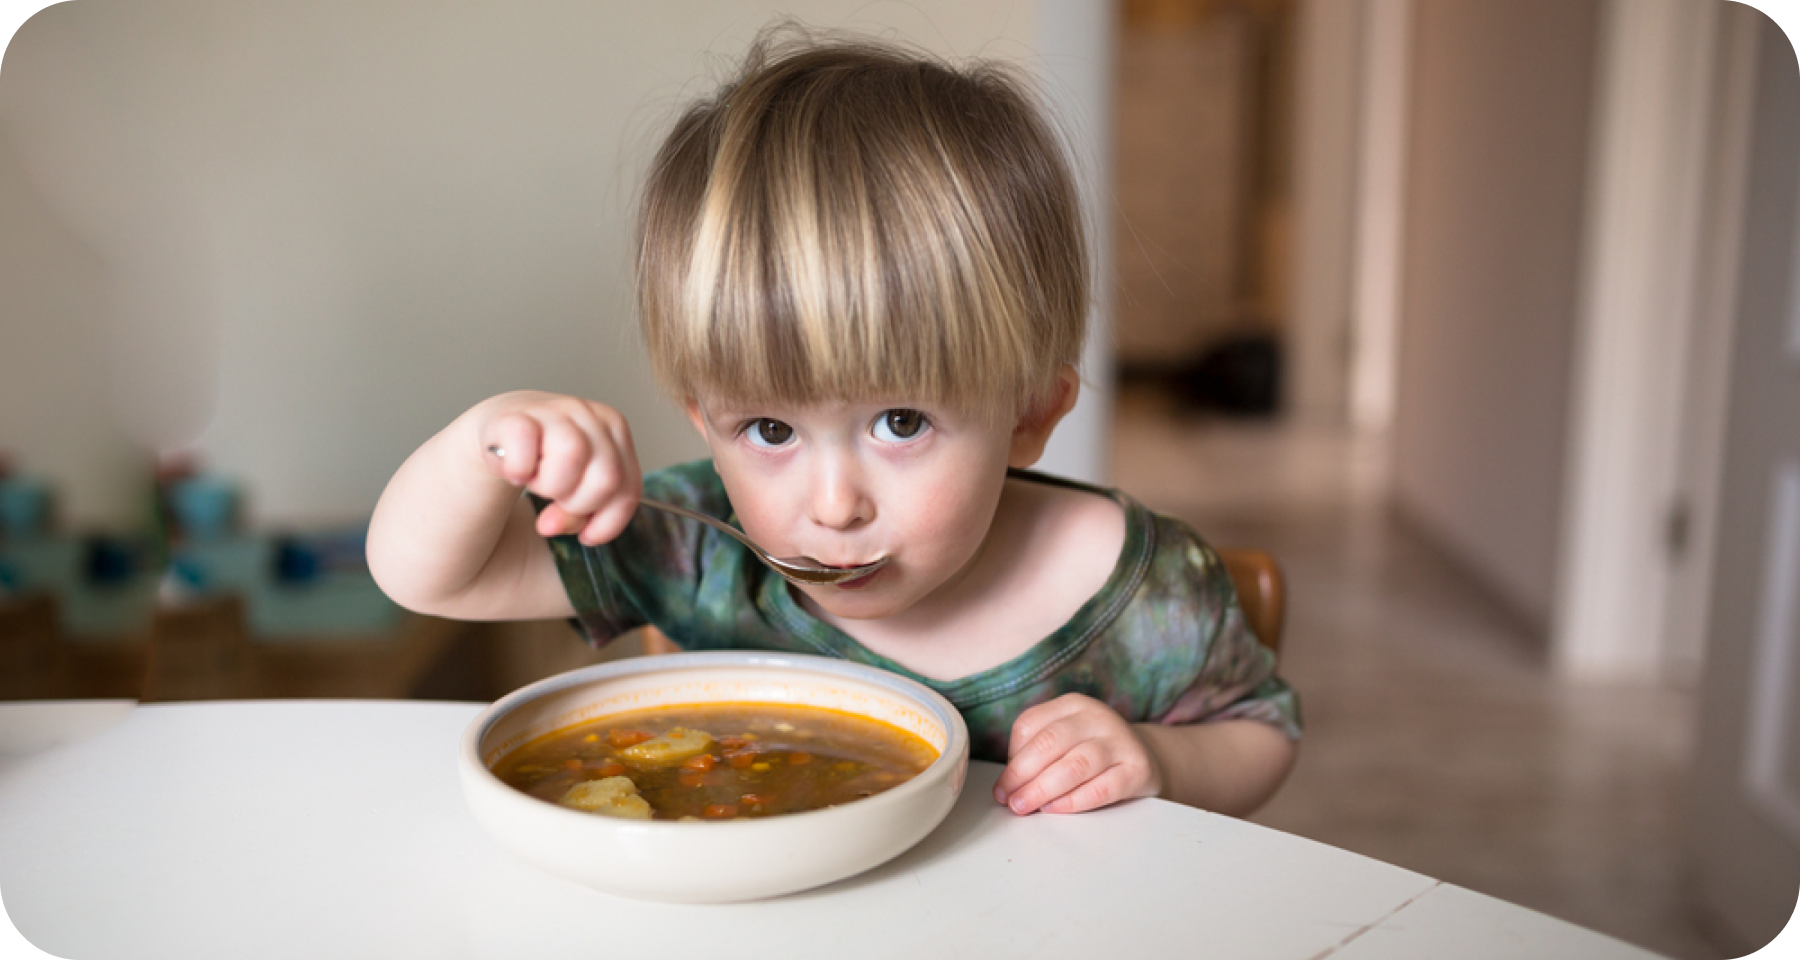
[[1436, 739]]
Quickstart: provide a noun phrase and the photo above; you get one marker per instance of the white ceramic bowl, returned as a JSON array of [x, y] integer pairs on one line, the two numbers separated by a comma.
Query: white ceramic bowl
[[705, 862]]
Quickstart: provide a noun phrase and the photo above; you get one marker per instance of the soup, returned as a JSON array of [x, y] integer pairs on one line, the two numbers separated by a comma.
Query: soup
[[720, 761]]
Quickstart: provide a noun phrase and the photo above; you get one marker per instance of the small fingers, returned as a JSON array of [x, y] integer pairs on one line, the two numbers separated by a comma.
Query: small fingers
[[608, 495], [589, 470], [554, 521], [1111, 786], [511, 448], [596, 485], [565, 453], [1037, 740], [611, 519], [1076, 768]]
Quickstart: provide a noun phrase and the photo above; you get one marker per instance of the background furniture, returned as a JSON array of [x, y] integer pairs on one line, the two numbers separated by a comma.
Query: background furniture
[[30, 651], [1261, 590]]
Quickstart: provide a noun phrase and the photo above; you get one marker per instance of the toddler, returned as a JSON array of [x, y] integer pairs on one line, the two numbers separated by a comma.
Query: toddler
[[862, 273]]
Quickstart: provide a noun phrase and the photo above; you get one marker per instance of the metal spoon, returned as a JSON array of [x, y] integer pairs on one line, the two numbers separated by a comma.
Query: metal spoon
[[796, 569], [801, 570]]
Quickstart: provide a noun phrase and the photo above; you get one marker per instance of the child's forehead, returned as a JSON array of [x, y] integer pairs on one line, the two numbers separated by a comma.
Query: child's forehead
[[713, 400], [718, 404]]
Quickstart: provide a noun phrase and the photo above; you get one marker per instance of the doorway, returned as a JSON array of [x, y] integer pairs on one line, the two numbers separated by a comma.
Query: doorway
[[1203, 117]]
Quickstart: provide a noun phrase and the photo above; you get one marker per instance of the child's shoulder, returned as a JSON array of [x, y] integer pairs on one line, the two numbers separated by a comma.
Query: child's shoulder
[[1161, 552], [1084, 528], [1092, 521]]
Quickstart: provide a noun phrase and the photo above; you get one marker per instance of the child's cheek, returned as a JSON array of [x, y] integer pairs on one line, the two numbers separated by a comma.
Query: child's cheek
[[761, 515], [764, 519], [951, 523]]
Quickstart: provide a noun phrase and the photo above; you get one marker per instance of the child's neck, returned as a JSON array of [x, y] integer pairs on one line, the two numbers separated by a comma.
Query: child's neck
[[1048, 550]]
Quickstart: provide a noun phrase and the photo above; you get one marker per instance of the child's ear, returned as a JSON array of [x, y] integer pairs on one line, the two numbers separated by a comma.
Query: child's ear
[[1035, 426], [692, 407]]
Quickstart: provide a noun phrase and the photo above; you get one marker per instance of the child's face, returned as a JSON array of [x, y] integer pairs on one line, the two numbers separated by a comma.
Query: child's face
[[849, 483]]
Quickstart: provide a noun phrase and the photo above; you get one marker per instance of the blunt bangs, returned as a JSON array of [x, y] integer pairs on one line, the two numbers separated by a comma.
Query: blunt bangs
[[849, 222]]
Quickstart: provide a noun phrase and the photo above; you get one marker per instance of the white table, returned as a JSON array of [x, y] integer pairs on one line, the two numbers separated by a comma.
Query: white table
[[336, 828]]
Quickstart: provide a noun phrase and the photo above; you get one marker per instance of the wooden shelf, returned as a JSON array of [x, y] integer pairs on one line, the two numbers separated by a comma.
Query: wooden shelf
[[203, 651]]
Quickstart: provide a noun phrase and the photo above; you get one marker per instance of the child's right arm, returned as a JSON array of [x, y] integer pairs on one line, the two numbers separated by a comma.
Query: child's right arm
[[451, 535]]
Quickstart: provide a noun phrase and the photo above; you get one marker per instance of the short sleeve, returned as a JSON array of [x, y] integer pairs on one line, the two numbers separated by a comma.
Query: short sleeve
[[1237, 679], [652, 571]]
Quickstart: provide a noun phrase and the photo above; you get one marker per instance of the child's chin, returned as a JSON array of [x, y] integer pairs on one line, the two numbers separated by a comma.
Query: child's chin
[[855, 605]]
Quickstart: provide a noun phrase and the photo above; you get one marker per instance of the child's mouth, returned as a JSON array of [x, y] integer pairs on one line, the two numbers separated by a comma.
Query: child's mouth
[[859, 582]]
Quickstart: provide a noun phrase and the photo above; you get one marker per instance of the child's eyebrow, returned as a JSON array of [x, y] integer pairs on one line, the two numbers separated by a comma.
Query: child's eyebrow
[[725, 414], [723, 410]]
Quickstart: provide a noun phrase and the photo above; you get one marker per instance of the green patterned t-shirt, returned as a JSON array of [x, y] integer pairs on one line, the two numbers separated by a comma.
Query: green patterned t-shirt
[[1163, 641]]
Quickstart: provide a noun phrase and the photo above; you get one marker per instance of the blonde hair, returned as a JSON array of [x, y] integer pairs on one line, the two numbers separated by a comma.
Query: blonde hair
[[846, 221]]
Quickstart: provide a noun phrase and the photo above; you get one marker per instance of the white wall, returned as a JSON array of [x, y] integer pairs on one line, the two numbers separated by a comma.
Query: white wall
[[1327, 95], [1502, 93], [1073, 43], [54, 415], [325, 229], [1742, 832]]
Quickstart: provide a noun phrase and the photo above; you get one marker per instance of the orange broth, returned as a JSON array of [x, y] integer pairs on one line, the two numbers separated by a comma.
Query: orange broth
[[760, 759]]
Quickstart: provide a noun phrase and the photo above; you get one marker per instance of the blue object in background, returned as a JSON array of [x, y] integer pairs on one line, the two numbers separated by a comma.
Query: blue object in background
[[104, 582], [206, 508], [109, 562], [312, 586], [320, 588], [295, 562], [338, 604], [24, 508]]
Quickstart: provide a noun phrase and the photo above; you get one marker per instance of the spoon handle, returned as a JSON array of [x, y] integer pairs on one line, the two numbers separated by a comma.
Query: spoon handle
[[714, 522], [800, 570]]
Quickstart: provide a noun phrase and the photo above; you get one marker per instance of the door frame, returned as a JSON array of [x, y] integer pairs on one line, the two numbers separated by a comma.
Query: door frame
[[1641, 306]]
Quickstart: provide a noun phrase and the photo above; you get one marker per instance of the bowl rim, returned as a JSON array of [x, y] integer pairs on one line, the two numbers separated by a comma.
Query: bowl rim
[[954, 755]]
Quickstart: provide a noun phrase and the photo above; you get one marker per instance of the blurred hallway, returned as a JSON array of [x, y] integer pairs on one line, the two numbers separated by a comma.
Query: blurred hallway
[[1435, 737]]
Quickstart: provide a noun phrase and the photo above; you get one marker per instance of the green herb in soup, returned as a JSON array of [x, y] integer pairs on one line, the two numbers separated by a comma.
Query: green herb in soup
[[719, 761]]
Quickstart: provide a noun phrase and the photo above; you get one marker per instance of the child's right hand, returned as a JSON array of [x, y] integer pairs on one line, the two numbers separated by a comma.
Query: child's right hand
[[574, 452]]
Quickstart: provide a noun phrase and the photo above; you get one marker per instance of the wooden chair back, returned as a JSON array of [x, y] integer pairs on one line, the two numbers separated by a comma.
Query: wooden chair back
[[1261, 590]]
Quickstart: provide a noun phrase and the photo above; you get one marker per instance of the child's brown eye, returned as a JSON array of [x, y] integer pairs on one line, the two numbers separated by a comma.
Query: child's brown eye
[[769, 433], [895, 425]]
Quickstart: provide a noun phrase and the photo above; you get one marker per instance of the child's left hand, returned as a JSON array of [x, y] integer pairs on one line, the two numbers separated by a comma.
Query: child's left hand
[[1072, 754]]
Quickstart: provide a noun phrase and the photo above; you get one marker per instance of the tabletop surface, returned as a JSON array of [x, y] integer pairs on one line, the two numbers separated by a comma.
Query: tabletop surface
[[337, 828]]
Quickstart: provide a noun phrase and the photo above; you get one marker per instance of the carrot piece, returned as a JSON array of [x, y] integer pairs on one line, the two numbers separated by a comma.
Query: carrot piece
[[691, 778], [719, 811], [573, 763], [699, 761], [626, 738], [612, 770], [752, 799], [732, 743], [739, 761], [799, 757]]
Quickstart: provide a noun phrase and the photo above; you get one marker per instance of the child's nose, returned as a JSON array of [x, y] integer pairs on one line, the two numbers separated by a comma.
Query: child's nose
[[838, 500]]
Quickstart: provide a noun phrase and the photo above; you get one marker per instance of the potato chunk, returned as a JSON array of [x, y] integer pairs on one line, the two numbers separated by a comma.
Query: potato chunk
[[612, 796], [666, 750]]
